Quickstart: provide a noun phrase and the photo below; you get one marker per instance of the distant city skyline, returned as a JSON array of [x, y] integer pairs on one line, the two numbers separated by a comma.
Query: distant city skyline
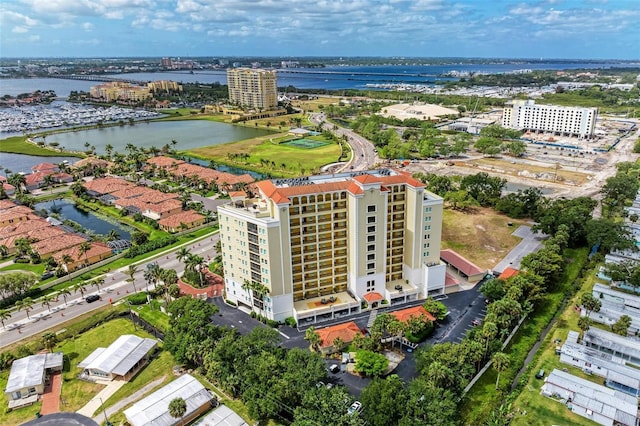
[[568, 29]]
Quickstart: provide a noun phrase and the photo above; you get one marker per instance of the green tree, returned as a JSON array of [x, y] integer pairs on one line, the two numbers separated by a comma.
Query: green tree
[[25, 305], [322, 406], [622, 325], [590, 303], [64, 293], [370, 363], [515, 148], [488, 146], [428, 405], [46, 301], [79, 287], [493, 289], [501, 362], [177, 408], [4, 315], [584, 323], [49, 341], [610, 235], [485, 189], [312, 336], [386, 397], [131, 271]]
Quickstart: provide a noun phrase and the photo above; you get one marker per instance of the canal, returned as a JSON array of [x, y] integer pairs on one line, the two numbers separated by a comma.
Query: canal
[[66, 209]]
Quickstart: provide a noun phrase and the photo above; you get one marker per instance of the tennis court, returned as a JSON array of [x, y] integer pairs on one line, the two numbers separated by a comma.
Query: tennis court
[[306, 143]]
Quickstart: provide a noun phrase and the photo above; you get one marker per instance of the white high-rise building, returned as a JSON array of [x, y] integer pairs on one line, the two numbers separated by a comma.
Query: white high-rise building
[[526, 115], [322, 247]]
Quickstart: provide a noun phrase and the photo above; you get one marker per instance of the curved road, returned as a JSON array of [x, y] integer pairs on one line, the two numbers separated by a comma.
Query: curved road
[[364, 152], [116, 287]]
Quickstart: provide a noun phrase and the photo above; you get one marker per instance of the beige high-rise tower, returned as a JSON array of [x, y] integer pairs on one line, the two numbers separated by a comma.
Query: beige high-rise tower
[[253, 88], [323, 247]]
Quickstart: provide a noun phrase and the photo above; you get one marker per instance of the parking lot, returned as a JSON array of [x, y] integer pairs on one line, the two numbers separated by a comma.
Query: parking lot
[[464, 308]]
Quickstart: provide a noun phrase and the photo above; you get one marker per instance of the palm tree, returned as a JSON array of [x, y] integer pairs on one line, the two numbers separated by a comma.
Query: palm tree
[[108, 149], [66, 260], [195, 263], [489, 332], [501, 362], [98, 282], [4, 315], [113, 235], [49, 341], [439, 374], [183, 253], [133, 269], [64, 293], [177, 408], [26, 304], [584, 323], [312, 336], [46, 300], [84, 249], [79, 287]]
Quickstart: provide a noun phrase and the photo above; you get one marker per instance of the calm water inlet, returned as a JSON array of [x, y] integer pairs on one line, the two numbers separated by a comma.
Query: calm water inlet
[[66, 209]]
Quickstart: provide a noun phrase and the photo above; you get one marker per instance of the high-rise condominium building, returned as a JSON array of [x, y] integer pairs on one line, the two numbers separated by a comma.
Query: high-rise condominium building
[[560, 120], [253, 88], [321, 247]]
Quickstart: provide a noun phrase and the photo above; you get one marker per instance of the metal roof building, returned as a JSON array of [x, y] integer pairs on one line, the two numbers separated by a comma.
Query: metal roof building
[[590, 400], [28, 375], [122, 358], [221, 416], [154, 409], [622, 349]]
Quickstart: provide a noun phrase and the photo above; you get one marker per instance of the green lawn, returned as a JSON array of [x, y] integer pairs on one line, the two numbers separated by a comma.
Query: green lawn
[[152, 314], [288, 161], [36, 269], [540, 409], [483, 397], [18, 145]]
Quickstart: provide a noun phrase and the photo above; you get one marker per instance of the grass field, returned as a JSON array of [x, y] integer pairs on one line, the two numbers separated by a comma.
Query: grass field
[[313, 105], [18, 145], [482, 236], [283, 160], [505, 167], [540, 409]]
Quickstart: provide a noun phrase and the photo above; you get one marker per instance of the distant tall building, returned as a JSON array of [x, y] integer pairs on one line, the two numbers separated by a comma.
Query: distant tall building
[[166, 63], [322, 247], [253, 88], [119, 91], [560, 120]]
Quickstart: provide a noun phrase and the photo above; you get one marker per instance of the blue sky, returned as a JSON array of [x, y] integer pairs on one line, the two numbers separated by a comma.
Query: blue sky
[[590, 29]]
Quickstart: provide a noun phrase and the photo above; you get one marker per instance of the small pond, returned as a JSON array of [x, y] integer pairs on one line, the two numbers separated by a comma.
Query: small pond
[[66, 209]]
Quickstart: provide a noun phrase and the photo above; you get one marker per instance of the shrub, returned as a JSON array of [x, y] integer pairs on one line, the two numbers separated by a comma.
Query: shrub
[[252, 314], [149, 246], [273, 323], [229, 302], [290, 321], [421, 336], [138, 298]]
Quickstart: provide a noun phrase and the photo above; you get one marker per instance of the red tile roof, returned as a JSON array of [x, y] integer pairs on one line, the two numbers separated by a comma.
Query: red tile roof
[[405, 315], [508, 273], [346, 331], [107, 185], [23, 227], [372, 296], [460, 263], [187, 217], [55, 244], [450, 280], [16, 212], [98, 248], [6, 204], [42, 167]]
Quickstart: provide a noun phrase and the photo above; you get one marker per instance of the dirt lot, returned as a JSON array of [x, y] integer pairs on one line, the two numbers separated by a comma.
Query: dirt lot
[[483, 236]]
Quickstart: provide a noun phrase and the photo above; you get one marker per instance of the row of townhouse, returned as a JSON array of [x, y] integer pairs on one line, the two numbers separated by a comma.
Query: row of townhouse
[[592, 360], [20, 222], [614, 304], [180, 170], [165, 208]]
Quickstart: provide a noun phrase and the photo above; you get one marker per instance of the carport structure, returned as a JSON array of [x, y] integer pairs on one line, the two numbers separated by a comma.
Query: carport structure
[[467, 269]]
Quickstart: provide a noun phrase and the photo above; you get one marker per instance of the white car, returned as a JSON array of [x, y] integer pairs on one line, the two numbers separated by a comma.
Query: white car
[[355, 407]]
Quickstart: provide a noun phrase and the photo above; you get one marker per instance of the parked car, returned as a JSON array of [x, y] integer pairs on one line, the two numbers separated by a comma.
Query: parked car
[[355, 407], [475, 322], [334, 368], [46, 275], [92, 298], [540, 374]]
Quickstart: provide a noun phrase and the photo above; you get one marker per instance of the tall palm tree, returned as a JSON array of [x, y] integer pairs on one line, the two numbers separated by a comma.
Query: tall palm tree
[[46, 300], [133, 269], [79, 287], [312, 336], [83, 249], [501, 362], [113, 235], [49, 341], [584, 323], [4, 315], [66, 260], [97, 282], [489, 332], [26, 304], [64, 293], [182, 254]]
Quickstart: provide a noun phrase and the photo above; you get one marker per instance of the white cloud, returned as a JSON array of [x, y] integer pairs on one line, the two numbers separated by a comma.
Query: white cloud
[[87, 26], [34, 38], [20, 30]]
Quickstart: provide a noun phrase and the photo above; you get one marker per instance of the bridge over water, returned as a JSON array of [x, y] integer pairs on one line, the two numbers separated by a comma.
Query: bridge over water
[[100, 78]]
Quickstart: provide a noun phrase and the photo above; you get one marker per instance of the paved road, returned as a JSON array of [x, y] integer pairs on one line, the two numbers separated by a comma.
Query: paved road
[[530, 242], [364, 154], [41, 318]]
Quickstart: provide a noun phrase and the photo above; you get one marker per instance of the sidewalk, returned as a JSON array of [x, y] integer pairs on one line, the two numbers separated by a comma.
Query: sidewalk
[[96, 402]]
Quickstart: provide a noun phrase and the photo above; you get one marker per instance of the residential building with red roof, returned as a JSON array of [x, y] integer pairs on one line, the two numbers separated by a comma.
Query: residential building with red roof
[[346, 332], [181, 221], [404, 315], [55, 244], [97, 252], [324, 245], [14, 215], [508, 273]]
